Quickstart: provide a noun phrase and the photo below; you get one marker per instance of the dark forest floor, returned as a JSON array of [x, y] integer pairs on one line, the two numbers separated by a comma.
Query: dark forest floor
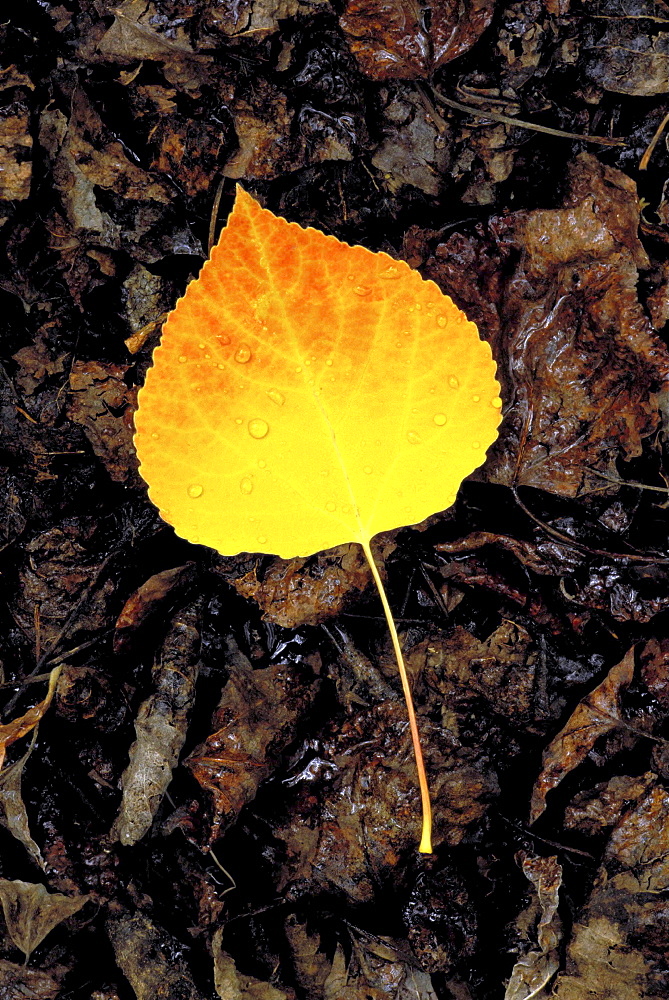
[[220, 798]]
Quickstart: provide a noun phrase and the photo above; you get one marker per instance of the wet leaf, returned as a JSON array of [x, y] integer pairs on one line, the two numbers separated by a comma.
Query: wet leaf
[[585, 364], [20, 983], [25, 723], [150, 959], [256, 719], [155, 598], [101, 403], [307, 393], [628, 55], [616, 951], [540, 927], [15, 153], [136, 35], [13, 813], [31, 911], [231, 984], [390, 40], [160, 729], [597, 714], [379, 968], [306, 591]]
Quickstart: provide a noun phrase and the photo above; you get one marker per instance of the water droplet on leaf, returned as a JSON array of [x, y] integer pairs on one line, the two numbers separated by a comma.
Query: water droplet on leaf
[[276, 396], [413, 438], [439, 419], [195, 490], [453, 382], [246, 486], [258, 428], [243, 354]]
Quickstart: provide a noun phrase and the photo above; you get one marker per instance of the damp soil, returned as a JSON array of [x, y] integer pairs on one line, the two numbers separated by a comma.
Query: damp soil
[[208, 788]]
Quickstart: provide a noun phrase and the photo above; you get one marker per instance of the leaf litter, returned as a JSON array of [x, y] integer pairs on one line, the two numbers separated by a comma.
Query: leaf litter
[[514, 605]]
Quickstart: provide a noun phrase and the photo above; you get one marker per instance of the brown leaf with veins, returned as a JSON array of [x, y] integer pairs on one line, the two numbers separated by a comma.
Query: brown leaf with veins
[[585, 366], [392, 40], [597, 714], [306, 591]]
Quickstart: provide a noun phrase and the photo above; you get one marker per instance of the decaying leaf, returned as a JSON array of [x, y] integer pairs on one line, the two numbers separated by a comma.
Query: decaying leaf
[[101, 403], [598, 713], [31, 911], [390, 40], [349, 815], [155, 599], [255, 720], [379, 968], [628, 55], [149, 958], [306, 591], [540, 928], [25, 723], [585, 366], [13, 813], [160, 729], [616, 951], [136, 35], [15, 153], [309, 958], [233, 985], [594, 809], [17, 982]]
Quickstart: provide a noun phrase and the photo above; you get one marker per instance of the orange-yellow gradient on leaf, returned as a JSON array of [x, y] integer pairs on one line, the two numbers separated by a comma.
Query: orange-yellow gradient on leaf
[[308, 393]]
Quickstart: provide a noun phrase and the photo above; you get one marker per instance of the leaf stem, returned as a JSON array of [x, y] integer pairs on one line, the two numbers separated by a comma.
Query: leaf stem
[[425, 846]]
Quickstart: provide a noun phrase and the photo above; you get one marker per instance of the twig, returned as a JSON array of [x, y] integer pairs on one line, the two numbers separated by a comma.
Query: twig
[[572, 543], [643, 163], [507, 120], [627, 482]]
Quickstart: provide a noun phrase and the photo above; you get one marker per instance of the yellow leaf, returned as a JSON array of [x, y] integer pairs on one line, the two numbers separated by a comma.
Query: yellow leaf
[[308, 393]]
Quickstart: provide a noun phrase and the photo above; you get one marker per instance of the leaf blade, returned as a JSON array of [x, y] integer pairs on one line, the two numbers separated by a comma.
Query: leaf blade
[[303, 384]]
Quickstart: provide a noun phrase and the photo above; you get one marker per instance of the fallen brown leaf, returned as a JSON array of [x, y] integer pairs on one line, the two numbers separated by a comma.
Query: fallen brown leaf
[[598, 713]]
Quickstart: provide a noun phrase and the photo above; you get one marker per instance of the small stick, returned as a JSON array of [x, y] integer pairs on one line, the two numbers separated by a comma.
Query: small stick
[[643, 163], [507, 120]]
